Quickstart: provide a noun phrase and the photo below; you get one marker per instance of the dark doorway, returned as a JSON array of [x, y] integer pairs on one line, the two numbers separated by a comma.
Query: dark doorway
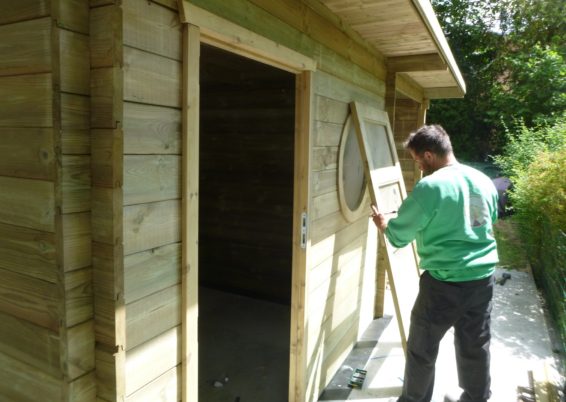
[[247, 125]]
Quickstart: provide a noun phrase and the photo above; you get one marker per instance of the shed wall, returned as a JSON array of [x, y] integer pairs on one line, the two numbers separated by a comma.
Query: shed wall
[[46, 336], [342, 256]]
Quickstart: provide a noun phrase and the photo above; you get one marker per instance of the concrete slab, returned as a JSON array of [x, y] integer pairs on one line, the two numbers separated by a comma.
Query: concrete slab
[[520, 343]]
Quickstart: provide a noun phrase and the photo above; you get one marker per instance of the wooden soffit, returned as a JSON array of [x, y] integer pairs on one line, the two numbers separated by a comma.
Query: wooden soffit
[[408, 34]]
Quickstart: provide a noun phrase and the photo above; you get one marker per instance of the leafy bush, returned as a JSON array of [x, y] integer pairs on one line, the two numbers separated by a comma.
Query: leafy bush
[[535, 160]]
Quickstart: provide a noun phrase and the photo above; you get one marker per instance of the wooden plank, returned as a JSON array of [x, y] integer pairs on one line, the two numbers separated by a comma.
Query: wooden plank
[[324, 181], [152, 79], [172, 4], [150, 271], [33, 299], [74, 56], [152, 315], [105, 97], [23, 10], [75, 111], [324, 158], [327, 134], [80, 350], [331, 110], [330, 86], [165, 388], [83, 389], [107, 158], [78, 296], [105, 36], [30, 344], [236, 38], [151, 129], [298, 360], [75, 141], [27, 152], [18, 378], [76, 241], [147, 226], [75, 183], [28, 203], [26, 47], [106, 216], [409, 87], [420, 62], [324, 205], [28, 252], [151, 359], [150, 178], [153, 28], [190, 213], [26, 101], [72, 15], [110, 374]]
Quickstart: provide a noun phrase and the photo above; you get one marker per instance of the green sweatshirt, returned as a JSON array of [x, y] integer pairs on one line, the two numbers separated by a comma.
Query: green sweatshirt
[[450, 214]]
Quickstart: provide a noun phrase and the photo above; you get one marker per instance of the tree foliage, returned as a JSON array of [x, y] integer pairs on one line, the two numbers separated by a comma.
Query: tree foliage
[[512, 54]]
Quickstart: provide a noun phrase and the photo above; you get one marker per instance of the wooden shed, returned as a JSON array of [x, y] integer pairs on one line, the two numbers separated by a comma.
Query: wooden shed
[[154, 151]]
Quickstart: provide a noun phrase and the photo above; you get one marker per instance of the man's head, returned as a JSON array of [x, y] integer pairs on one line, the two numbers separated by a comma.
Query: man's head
[[430, 147]]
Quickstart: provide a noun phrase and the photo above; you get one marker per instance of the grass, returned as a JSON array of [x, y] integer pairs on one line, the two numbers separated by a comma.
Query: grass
[[512, 254]]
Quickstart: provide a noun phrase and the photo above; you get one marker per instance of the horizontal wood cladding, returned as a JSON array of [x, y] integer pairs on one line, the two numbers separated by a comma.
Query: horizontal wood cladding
[[166, 387], [34, 299], [26, 101], [150, 129], [300, 28], [150, 360], [150, 271], [339, 258], [29, 252], [151, 225], [27, 152], [25, 10], [153, 315], [25, 47], [28, 203], [150, 178], [152, 79], [246, 175], [149, 26], [18, 378], [31, 344]]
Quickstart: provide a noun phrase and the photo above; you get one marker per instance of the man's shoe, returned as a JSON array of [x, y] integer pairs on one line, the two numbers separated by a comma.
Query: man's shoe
[[451, 398]]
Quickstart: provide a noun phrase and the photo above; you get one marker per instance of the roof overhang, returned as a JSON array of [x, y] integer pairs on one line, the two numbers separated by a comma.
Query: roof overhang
[[408, 35]]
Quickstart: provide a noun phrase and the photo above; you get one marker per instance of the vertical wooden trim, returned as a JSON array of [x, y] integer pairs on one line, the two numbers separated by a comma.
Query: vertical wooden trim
[[382, 262], [190, 174], [298, 358], [421, 121], [391, 97]]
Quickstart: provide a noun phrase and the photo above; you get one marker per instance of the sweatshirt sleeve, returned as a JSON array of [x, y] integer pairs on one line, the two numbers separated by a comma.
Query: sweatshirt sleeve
[[410, 219]]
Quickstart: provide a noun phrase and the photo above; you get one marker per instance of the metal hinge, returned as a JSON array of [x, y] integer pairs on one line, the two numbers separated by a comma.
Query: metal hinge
[[304, 221]]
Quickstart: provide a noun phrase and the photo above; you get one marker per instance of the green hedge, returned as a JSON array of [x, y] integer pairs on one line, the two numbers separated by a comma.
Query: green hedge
[[535, 160]]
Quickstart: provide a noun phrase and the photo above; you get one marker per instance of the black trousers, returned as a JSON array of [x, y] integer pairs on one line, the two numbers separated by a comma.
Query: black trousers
[[466, 306]]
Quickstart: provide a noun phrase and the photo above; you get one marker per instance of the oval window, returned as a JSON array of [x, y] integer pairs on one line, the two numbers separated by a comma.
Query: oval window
[[351, 179]]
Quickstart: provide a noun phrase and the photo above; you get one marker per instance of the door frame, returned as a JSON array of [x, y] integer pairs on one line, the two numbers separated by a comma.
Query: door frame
[[201, 26]]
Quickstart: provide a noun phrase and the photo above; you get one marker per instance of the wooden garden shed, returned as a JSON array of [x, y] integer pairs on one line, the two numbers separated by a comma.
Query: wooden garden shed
[[150, 149]]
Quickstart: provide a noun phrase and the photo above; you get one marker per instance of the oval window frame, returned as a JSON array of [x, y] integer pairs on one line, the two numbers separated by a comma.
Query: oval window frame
[[351, 215]]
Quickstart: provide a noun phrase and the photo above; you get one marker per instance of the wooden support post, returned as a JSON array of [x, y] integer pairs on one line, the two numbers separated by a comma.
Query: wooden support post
[[190, 174], [382, 261], [391, 97]]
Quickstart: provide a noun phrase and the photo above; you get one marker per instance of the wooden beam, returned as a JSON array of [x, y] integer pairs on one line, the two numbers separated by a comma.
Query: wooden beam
[[419, 62], [301, 240], [408, 87], [229, 36], [443, 93], [425, 10], [190, 206]]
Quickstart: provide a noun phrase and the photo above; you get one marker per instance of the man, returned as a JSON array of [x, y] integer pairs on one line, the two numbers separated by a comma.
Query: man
[[450, 213]]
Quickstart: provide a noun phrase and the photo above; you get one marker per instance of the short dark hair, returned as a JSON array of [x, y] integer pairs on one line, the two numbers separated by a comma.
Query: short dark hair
[[431, 138]]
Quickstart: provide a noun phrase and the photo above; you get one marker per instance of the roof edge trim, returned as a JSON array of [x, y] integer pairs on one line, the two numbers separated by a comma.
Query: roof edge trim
[[426, 12]]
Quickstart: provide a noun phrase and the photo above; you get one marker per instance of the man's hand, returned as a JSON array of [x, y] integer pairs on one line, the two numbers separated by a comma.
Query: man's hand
[[378, 218]]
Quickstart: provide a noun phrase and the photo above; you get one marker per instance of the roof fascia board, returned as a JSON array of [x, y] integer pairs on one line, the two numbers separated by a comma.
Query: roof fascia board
[[426, 12]]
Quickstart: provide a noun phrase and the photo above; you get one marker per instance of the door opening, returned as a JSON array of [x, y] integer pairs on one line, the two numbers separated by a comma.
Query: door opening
[[247, 130]]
